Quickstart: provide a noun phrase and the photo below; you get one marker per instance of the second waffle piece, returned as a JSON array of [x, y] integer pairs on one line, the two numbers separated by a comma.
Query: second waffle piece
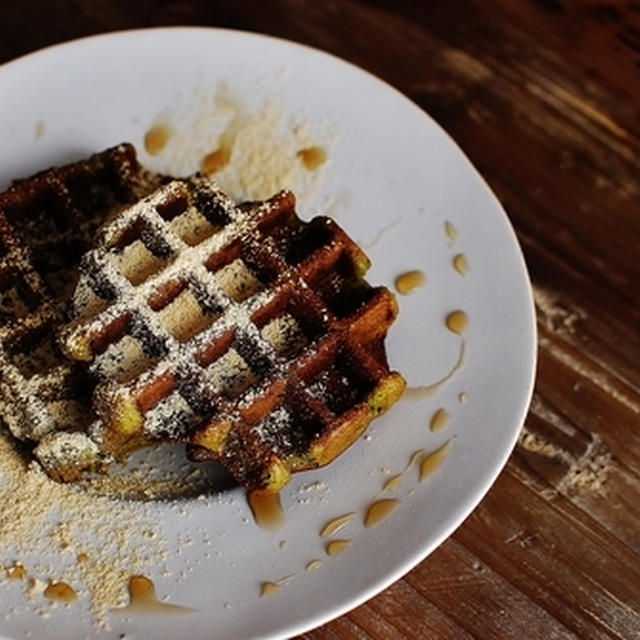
[[241, 331], [47, 222]]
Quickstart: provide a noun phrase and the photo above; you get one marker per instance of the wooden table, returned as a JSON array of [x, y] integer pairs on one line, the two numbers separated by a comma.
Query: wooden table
[[544, 97]]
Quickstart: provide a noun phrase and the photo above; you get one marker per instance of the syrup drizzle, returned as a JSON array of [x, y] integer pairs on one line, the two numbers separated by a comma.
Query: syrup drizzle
[[424, 391], [216, 160], [409, 281], [266, 508], [16, 571], [335, 524], [379, 510], [392, 483], [460, 264], [335, 547], [432, 461], [268, 588], [450, 230], [221, 156], [439, 420], [142, 599], [60, 591], [457, 321], [312, 157], [415, 456], [156, 138]]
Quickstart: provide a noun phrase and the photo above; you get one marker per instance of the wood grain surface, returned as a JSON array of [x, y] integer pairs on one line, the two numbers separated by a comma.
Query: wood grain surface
[[544, 97]]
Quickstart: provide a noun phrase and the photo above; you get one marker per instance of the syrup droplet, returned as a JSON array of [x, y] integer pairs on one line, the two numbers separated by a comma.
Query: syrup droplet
[[313, 564], [457, 321], [60, 591], [82, 557], [335, 547], [379, 510], [415, 456], [450, 230], [221, 157], [409, 281], [337, 523], [460, 264], [392, 483], [156, 138], [312, 157], [268, 588], [432, 461], [142, 599], [16, 572], [216, 160], [266, 509], [439, 420]]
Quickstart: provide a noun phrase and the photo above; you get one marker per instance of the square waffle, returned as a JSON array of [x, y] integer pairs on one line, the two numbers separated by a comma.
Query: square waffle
[[239, 330], [46, 223]]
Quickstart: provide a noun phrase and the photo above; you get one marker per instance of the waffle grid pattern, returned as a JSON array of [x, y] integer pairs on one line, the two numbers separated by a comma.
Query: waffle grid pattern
[[242, 331]]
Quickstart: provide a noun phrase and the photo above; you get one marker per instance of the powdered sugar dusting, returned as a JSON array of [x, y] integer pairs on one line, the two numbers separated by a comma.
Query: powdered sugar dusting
[[182, 327]]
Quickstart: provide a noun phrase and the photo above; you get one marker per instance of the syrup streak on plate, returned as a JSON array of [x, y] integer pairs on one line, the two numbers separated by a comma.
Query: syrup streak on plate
[[380, 508]]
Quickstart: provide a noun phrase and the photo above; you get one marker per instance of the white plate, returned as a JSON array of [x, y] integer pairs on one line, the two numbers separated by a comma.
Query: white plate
[[392, 180]]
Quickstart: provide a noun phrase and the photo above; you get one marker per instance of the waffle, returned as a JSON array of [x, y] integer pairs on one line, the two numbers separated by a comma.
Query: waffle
[[46, 223], [241, 331]]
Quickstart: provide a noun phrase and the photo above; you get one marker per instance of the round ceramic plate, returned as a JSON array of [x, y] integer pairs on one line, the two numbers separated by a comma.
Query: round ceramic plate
[[399, 185]]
